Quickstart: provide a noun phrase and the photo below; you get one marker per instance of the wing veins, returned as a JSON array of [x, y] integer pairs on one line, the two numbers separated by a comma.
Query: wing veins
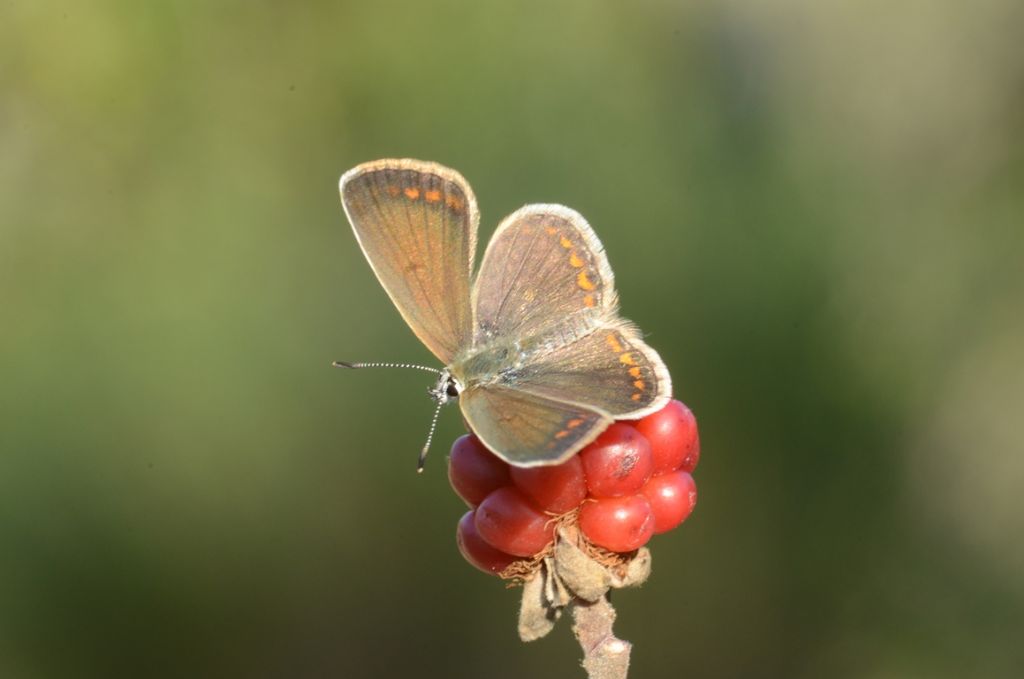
[[519, 271], [375, 181], [551, 266], [422, 240]]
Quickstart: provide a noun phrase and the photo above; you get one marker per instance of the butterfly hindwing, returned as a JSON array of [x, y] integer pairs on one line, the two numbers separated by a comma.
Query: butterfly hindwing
[[416, 223], [528, 430], [610, 369]]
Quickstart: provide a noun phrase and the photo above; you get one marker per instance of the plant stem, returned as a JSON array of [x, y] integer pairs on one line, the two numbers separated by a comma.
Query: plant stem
[[605, 656]]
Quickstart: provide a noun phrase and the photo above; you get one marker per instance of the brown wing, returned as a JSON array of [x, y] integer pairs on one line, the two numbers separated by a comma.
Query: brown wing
[[528, 430], [543, 267], [416, 223], [610, 369]]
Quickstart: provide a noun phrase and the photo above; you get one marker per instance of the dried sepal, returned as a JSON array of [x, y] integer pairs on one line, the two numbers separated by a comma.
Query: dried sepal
[[575, 573], [544, 598], [587, 578]]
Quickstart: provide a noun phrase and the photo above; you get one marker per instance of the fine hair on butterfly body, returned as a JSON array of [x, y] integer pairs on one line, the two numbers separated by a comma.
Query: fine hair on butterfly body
[[533, 347]]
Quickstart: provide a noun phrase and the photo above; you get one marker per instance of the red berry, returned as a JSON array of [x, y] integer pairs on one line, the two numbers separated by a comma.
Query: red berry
[[672, 497], [620, 524], [692, 457], [672, 432], [474, 471], [554, 489], [476, 551], [509, 522], [618, 463]]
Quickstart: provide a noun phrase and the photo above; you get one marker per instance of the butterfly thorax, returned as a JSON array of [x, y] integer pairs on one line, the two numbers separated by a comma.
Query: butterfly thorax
[[495, 363], [506, 362]]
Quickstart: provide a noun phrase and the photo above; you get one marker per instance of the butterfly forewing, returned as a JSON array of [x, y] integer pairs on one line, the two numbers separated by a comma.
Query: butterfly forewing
[[416, 223], [528, 430], [543, 267]]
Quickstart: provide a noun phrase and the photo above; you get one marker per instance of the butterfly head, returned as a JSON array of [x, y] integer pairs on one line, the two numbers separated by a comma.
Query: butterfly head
[[446, 389]]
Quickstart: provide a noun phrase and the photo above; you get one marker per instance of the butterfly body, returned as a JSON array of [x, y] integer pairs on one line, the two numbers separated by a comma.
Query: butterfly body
[[534, 348], [506, 362]]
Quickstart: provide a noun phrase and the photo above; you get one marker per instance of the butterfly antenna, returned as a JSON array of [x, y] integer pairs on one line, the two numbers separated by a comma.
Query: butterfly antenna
[[430, 437], [346, 364]]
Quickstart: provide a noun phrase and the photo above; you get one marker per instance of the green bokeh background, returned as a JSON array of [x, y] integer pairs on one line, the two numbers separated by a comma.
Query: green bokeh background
[[815, 210]]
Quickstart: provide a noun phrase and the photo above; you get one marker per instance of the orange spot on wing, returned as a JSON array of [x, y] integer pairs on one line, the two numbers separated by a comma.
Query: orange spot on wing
[[432, 196], [575, 261], [627, 359], [614, 343], [634, 372], [551, 230], [639, 384], [584, 282], [454, 202], [562, 434], [412, 193], [588, 301], [566, 243], [394, 191], [573, 423], [636, 397]]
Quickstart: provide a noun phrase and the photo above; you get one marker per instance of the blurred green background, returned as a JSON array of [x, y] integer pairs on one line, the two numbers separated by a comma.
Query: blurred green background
[[814, 210]]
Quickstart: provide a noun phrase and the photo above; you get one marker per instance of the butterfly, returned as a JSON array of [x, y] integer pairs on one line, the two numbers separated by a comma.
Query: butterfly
[[534, 348]]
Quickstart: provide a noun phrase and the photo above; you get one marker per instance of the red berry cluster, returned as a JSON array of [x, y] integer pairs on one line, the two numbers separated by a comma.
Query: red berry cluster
[[632, 482]]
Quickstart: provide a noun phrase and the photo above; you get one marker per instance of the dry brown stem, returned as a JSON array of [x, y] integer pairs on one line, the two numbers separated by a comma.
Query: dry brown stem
[[605, 656]]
